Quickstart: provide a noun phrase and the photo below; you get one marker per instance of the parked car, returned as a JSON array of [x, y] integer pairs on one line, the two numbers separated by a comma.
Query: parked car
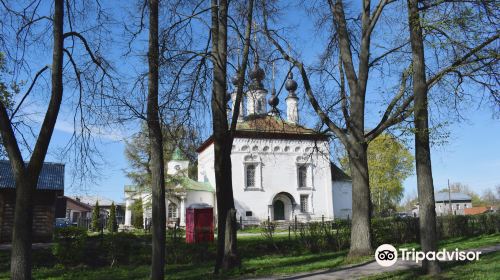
[[402, 215], [63, 222]]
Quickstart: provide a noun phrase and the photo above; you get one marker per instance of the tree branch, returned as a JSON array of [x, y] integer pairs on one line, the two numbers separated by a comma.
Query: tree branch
[[309, 92], [460, 61], [28, 91]]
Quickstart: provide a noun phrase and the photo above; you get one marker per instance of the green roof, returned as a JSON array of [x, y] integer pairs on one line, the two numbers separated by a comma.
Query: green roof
[[185, 183], [178, 154], [131, 188], [190, 184]]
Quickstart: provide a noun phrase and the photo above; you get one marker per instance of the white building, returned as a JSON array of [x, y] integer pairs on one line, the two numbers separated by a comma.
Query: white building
[[449, 203], [280, 169], [180, 192]]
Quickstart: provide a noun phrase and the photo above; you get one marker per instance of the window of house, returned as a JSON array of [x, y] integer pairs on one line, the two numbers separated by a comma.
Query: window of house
[[248, 213], [250, 176], [172, 210], [259, 106], [302, 170], [304, 207]]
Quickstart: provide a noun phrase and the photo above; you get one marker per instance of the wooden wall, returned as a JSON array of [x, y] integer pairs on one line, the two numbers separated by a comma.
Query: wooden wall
[[43, 215]]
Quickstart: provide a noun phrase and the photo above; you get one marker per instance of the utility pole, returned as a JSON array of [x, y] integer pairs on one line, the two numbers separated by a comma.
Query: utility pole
[[449, 196]]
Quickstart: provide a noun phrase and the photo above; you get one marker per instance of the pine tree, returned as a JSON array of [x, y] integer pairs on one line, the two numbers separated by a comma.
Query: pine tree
[[95, 217], [112, 226], [137, 214]]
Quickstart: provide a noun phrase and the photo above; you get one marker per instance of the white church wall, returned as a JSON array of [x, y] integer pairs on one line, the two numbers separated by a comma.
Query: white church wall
[[342, 199], [199, 197], [277, 162]]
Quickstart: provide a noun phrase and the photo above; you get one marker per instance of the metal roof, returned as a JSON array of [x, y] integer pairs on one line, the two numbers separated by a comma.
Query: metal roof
[[51, 176], [445, 197], [92, 199], [338, 174]]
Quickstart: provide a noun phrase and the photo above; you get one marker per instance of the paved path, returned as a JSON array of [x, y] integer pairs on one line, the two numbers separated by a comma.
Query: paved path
[[367, 269]]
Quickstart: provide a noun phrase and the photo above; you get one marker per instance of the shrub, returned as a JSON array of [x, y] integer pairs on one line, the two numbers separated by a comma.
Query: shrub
[[457, 226], [268, 229], [395, 230], [95, 217], [137, 214], [112, 226], [69, 245], [122, 247]]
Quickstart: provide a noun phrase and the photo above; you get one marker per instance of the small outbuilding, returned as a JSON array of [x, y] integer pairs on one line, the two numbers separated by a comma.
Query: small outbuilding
[[49, 189], [199, 223]]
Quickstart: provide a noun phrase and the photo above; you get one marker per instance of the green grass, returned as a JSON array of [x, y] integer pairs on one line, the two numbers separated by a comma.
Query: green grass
[[256, 263]]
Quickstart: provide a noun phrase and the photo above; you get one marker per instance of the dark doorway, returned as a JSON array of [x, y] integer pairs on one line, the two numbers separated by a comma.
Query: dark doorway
[[279, 210]]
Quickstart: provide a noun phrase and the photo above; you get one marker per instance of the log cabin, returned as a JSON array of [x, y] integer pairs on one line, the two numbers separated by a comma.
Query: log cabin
[[50, 187]]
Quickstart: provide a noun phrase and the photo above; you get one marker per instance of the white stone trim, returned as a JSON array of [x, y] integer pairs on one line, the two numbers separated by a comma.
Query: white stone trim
[[257, 161]]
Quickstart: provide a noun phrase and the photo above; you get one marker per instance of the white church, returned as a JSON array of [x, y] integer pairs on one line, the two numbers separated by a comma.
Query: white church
[[281, 170]]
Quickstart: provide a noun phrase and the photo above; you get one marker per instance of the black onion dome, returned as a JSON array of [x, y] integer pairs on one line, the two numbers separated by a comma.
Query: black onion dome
[[291, 84], [273, 100], [257, 73], [234, 79]]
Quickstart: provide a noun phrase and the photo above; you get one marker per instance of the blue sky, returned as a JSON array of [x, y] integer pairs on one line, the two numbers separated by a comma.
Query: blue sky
[[471, 154]]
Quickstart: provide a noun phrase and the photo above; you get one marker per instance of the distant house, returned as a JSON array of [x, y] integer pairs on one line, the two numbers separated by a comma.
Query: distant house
[[50, 187], [75, 209], [104, 206], [459, 203], [479, 210]]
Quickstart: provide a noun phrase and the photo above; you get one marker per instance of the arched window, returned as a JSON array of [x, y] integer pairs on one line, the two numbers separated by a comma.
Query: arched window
[[250, 176], [252, 173], [259, 107], [172, 210]]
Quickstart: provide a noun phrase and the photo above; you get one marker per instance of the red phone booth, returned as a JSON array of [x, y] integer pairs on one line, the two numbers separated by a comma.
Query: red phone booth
[[199, 223]]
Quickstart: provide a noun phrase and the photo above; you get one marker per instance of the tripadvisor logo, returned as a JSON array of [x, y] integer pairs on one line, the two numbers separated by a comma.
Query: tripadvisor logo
[[386, 255]]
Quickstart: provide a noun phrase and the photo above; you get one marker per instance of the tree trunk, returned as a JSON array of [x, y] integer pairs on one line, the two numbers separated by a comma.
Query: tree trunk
[[156, 146], [227, 255], [361, 203], [20, 266], [427, 212]]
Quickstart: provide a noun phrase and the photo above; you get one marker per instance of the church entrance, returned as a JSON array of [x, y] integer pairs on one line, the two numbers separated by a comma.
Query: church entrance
[[279, 210]]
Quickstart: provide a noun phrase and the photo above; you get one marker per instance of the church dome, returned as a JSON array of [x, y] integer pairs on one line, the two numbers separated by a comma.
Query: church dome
[[257, 73], [178, 154], [273, 101], [291, 84], [234, 79]]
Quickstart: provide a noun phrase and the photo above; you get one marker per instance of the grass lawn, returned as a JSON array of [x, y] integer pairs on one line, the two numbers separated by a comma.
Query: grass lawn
[[488, 267], [255, 263]]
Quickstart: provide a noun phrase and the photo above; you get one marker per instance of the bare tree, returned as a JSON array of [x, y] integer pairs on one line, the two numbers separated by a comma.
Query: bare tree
[[227, 254], [156, 144], [352, 42], [26, 173], [26, 176]]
